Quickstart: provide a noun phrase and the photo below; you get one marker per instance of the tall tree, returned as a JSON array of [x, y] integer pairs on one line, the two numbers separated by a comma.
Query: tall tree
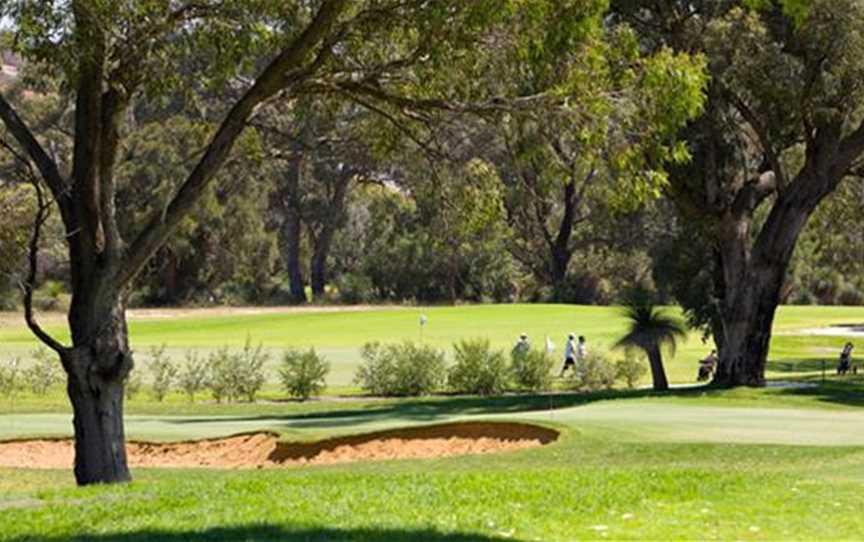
[[109, 53], [782, 129]]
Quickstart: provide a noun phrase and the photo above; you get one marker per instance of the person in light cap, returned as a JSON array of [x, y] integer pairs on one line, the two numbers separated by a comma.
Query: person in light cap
[[522, 346]]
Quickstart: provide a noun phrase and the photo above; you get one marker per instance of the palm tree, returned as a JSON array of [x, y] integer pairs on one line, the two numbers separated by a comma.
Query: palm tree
[[651, 330]]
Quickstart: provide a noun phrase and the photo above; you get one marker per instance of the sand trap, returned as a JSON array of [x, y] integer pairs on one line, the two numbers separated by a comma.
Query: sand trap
[[262, 450]]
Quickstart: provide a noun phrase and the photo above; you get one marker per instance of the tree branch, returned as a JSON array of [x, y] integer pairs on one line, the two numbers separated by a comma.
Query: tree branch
[[47, 167], [274, 79], [42, 213]]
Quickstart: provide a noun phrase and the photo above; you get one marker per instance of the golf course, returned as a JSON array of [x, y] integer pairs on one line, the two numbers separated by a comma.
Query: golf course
[[781, 462]]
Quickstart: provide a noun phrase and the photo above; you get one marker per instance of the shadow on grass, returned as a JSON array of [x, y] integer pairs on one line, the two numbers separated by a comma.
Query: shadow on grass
[[437, 408], [272, 533], [801, 366], [841, 390]]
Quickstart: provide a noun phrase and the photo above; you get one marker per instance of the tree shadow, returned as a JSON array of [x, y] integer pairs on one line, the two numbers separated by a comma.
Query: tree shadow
[[841, 390], [272, 533], [440, 408], [801, 366]]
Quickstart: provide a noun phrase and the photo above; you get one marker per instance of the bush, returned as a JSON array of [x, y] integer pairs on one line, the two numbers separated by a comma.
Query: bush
[[849, 295], [478, 369], [45, 372], [237, 375], [630, 370], [403, 369], [10, 378], [193, 375], [355, 288], [221, 375], [250, 376], [132, 384], [531, 370], [593, 373], [163, 371], [303, 374]]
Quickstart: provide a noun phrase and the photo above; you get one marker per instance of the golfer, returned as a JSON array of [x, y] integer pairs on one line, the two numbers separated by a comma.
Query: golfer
[[522, 346], [570, 355]]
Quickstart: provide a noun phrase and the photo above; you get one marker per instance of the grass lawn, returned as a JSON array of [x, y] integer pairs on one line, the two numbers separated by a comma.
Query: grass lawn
[[339, 335], [771, 464]]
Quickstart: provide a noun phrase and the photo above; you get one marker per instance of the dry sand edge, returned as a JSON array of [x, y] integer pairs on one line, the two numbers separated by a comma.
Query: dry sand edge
[[263, 449]]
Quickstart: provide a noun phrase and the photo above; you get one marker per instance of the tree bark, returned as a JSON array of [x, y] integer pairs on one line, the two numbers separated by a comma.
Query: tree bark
[[324, 240], [658, 373], [97, 368], [292, 228], [560, 250], [752, 286]]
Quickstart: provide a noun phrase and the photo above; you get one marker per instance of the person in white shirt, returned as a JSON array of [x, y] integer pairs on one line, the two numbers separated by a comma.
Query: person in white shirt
[[571, 353]]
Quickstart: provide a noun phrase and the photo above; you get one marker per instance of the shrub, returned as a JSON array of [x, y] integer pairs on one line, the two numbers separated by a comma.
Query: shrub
[[355, 288], [221, 375], [403, 369], [192, 377], [237, 375], [251, 376], [163, 371], [531, 370], [10, 378], [593, 373], [478, 369], [303, 374], [631, 369], [132, 384], [45, 372]]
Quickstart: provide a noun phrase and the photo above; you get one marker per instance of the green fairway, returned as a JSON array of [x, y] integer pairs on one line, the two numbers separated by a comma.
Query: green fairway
[[339, 335], [628, 467], [784, 462]]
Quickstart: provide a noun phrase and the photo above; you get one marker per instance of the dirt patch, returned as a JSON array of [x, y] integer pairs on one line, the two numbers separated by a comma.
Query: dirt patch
[[263, 450]]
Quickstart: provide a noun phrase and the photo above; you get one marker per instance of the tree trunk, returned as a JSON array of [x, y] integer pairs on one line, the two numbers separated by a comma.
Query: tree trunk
[[752, 285], [97, 368], [658, 374], [291, 250], [329, 225], [319, 267], [560, 251], [291, 227]]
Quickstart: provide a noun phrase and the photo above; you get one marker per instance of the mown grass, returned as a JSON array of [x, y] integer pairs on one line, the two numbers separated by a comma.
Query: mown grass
[[629, 465], [339, 335], [587, 486]]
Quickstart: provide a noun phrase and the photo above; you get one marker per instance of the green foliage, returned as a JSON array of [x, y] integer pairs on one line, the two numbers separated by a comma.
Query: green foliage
[[630, 369], [163, 373], [44, 372], [133, 384], [478, 369], [405, 369], [531, 370], [594, 373], [11, 378], [193, 374], [355, 288], [237, 375], [303, 374], [650, 327]]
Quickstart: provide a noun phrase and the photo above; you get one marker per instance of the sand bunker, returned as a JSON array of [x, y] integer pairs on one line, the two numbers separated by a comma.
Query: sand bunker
[[263, 450]]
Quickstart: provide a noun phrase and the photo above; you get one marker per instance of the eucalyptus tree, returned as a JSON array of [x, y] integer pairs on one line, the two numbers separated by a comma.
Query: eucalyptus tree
[[107, 54], [782, 128], [611, 135]]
